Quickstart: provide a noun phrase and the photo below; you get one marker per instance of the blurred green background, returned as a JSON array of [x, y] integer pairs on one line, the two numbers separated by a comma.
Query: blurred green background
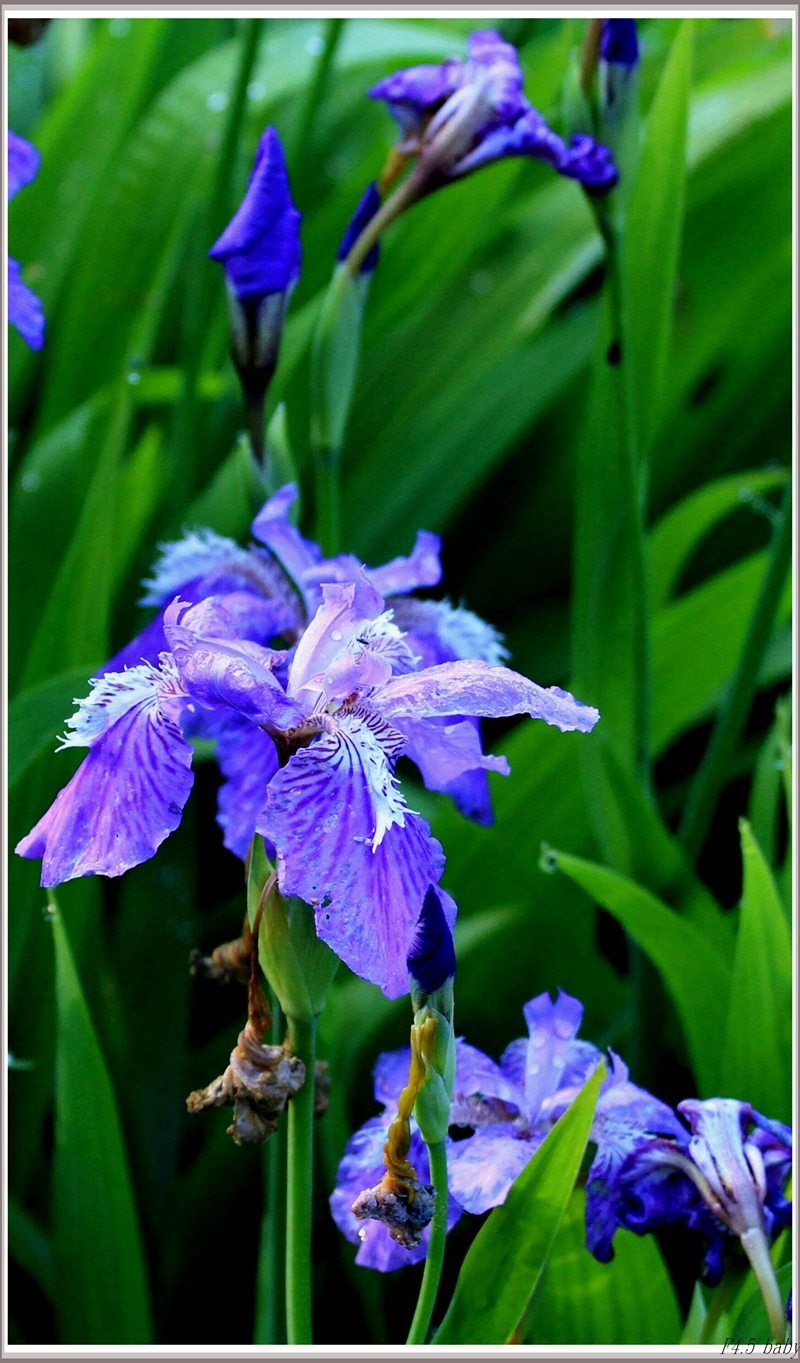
[[129, 1221]]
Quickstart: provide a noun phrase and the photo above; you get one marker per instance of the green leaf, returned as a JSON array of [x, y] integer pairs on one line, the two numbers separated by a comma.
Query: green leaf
[[654, 221], [695, 973], [580, 1301], [234, 495], [101, 1283], [696, 644], [36, 715], [142, 481], [676, 536], [757, 1059], [751, 1324], [29, 1246], [335, 358], [506, 1258]]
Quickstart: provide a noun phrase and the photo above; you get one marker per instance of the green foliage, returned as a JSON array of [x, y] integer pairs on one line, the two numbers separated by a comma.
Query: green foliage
[[696, 975], [505, 1261], [579, 1301], [758, 1040], [101, 1288]]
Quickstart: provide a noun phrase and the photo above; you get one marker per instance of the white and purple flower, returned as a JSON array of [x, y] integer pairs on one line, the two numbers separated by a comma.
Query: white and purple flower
[[307, 736]]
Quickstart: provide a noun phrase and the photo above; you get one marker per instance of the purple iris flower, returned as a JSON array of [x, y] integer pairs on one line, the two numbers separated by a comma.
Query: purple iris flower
[[323, 726], [537, 1079], [509, 1109], [24, 308], [459, 116], [362, 1167], [260, 249], [724, 1177], [368, 206]]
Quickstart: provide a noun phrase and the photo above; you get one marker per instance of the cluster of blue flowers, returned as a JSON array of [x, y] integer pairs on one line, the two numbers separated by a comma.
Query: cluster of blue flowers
[[723, 1175]]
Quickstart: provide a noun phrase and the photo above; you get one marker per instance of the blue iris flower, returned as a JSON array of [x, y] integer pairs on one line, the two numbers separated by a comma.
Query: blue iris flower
[[461, 115], [24, 308], [260, 250]]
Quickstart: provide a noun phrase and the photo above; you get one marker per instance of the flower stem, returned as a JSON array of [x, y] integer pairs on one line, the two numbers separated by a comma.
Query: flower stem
[[270, 1321], [404, 196], [420, 1325], [734, 709], [754, 1243], [300, 1172]]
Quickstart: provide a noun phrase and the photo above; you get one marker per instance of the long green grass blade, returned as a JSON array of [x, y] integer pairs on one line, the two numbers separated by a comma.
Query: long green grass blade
[[101, 1282]]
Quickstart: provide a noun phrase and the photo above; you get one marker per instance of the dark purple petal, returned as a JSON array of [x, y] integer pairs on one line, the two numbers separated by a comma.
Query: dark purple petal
[[348, 845], [146, 647], [368, 206], [619, 42], [23, 163], [129, 792], [260, 247], [24, 308], [248, 760], [472, 687], [482, 1169], [431, 956], [591, 163]]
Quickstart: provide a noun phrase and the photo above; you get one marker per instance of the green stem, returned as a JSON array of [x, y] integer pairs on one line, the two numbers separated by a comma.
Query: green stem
[[733, 712], [404, 196], [204, 293], [754, 1243], [722, 1299], [270, 1322], [420, 1325], [315, 90], [329, 502], [300, 1172]]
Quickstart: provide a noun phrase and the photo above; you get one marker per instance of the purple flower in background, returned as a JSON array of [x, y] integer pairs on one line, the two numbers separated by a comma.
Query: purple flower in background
[[368, 206], [459, 116], [24, 308], [308, 741], [726, 1179]]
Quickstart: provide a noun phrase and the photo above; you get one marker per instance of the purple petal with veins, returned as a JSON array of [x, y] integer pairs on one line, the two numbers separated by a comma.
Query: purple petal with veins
[[348, 845], [472, 687], [128, 793]]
